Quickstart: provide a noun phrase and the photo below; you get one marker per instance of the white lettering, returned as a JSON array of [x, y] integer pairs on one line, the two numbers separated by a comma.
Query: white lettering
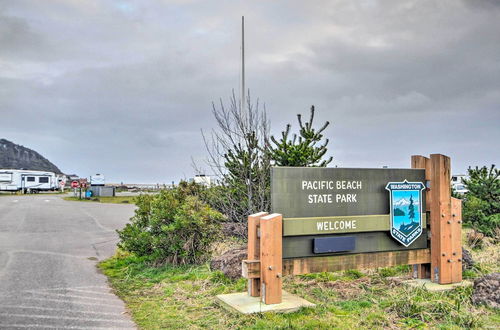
[[318, 185], [346, 198], [348, 185], [337, 225], [320, 199]]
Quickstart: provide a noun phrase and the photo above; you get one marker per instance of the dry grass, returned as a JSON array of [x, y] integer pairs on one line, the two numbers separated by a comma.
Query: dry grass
[[220, 247], [488, 256]]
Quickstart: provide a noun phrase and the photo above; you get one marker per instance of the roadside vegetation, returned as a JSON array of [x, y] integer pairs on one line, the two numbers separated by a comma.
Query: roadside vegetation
[[105, 199], [176, 288], [183, 296], [162, 271], [173, 227]]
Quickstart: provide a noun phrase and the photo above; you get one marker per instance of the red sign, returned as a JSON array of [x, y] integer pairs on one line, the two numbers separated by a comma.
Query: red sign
[[75, 184], [83, 183]]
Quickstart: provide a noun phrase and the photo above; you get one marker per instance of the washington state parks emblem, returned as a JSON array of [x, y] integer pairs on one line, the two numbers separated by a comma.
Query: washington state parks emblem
[[406, 210]]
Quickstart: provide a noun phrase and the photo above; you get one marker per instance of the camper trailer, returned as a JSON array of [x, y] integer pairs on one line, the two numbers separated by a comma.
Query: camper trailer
[[27, 181], [97, 180], [458, 185]]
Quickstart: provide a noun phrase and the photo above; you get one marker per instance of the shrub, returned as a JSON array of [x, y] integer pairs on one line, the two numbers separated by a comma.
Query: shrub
[[172, 227], [484, 183], [475, 214], [490, 225], [185, 189], [481, 208]]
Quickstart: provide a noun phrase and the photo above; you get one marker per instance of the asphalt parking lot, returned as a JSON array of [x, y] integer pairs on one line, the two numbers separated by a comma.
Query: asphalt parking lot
[[49, 248]]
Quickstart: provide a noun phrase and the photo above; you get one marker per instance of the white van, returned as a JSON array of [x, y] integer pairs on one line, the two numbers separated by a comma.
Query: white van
[[27, 181]]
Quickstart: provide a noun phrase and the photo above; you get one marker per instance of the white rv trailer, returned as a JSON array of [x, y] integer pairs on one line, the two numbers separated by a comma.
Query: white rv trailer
[[27, 180], [97, 180]]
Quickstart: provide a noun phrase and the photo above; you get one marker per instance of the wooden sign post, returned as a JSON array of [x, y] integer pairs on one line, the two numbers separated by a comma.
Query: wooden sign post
[[264, 270], [253, 250], [445, 222], [271, 258], [439, 257], [417, 161]]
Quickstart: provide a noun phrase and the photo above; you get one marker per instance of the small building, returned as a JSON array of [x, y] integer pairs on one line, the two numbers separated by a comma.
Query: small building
[[202, 179]]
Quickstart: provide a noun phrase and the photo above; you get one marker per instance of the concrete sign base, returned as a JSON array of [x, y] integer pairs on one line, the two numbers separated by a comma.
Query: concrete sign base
[[433, 287], [243, 303]]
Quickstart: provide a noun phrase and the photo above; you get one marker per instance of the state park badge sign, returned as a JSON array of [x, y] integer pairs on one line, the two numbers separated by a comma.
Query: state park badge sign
[[406, 210]]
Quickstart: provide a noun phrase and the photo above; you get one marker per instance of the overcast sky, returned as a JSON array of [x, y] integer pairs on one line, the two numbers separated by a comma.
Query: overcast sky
[[123, 88]]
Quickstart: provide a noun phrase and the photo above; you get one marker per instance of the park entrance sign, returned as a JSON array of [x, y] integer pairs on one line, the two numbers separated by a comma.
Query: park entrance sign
[[327, 211], [333, 219]]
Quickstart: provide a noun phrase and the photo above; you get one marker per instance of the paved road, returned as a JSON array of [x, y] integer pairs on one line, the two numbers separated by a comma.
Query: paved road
[[48, 254]]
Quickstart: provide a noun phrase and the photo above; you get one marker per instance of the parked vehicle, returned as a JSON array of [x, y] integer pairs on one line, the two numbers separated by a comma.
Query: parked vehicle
[[97, 180], [27, 181], [458, 185]]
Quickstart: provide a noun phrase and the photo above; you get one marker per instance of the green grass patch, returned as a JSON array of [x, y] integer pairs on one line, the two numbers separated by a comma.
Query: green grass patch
[[184, 297], [113, 200], [394, 271]]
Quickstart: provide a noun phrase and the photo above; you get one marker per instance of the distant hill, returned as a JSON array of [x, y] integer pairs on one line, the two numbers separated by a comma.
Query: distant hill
[[14, 156]]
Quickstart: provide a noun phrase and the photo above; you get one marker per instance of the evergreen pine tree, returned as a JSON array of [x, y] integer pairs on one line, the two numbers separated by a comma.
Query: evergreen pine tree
[[484, 184], [301, 149]]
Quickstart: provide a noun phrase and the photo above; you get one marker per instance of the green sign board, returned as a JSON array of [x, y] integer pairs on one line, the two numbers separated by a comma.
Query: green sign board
[[316, 202]]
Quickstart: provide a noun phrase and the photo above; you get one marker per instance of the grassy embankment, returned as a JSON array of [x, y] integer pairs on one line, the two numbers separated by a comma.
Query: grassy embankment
[[184, 297], [109, 199]]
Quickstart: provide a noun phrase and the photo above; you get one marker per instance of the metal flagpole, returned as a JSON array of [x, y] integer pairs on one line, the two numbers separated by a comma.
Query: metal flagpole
[[242, 63]]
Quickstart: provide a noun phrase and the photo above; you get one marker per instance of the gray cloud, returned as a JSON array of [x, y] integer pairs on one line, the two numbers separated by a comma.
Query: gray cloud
[[124, 87]]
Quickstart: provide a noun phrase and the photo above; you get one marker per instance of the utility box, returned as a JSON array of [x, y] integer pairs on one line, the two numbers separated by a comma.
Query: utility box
[[102, 191]]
